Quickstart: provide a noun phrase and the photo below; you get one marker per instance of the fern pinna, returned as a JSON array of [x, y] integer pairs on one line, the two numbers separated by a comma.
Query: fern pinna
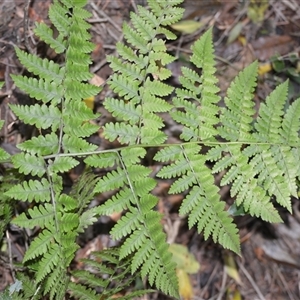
[[258, 156]]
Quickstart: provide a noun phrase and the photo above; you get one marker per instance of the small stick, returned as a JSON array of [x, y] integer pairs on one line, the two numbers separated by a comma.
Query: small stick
[[26, 27]]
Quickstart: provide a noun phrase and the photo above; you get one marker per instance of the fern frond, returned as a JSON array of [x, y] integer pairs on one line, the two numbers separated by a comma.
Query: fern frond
[[56, 284], [4, 155], [285, 161], [167, 10], [82, 292], [75, 127], [129, 70], [83, 190], [124, 87], [135, 184]]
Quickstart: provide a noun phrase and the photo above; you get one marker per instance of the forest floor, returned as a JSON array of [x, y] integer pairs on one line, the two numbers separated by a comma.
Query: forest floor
[[244, 31]]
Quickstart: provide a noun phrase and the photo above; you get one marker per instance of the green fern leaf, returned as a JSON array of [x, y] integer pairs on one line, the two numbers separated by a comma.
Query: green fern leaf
[[237, 117], [125, 133], [152, 136], [41, 145], [73, 144], [62, 164], [49, 262], [75, 127], [128, 54], [103, 160], [43, 89], [66, 203], [122, 110], [269, 119], [167, 10], [87, 218], [129, 70], [42, 116], [199, 115], [158, 88], [135, 39], [82, 292], [271, 177], [79, 90], [168, 153], [132, 155], [39, 246], [141, 25], [291, 125], [58, 15], [56, 284], [41, 215], [46, 34], [286, 162], [111, 181], [32, 190], [29, 164], [124, 87], [126, 225], [43, 68], [3, 154], [117, 203], [82, 192]]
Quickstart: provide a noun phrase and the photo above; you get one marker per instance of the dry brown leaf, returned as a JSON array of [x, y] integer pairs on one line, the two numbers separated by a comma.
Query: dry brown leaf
[[265, 47]]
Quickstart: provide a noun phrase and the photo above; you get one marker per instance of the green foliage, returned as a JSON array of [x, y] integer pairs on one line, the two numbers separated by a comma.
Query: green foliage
[[258, 157], [106, 263]]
